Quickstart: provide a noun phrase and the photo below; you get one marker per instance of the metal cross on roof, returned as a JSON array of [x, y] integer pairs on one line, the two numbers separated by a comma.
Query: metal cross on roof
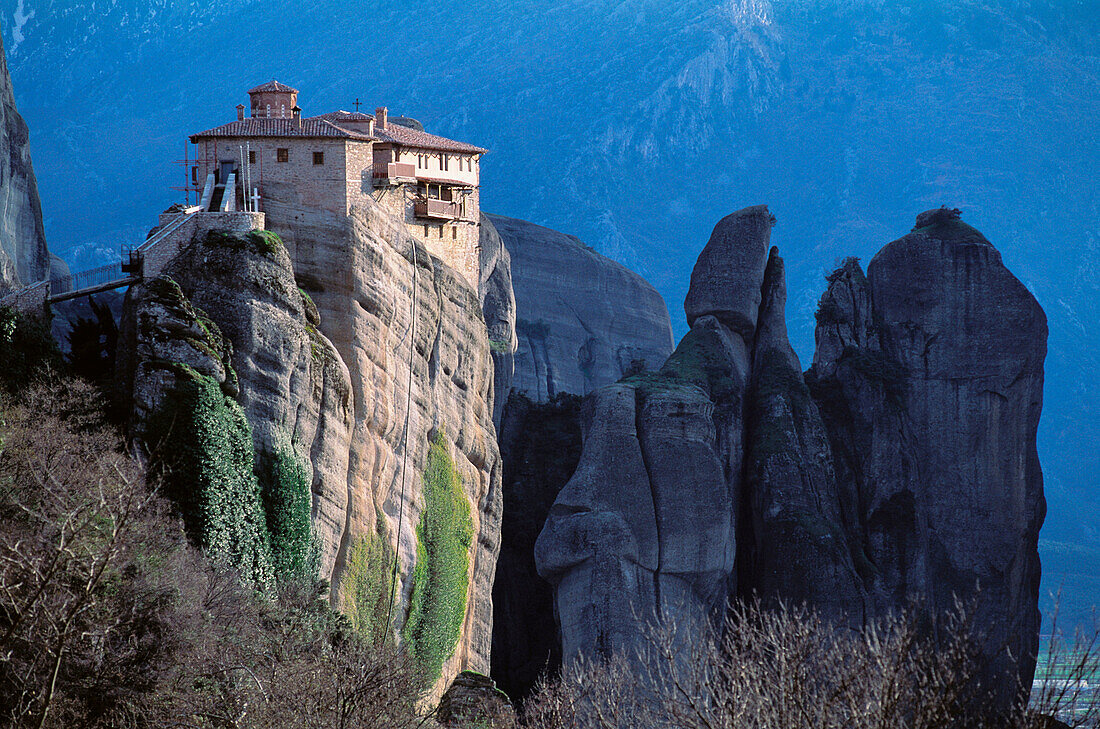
[[357, 104]]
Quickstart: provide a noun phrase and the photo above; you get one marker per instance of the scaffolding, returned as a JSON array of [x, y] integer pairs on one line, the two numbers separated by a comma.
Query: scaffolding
[[190, 173]]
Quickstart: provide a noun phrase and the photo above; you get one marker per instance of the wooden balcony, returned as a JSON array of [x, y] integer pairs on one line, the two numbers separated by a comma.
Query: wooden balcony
[[437, 209], [394, 172]]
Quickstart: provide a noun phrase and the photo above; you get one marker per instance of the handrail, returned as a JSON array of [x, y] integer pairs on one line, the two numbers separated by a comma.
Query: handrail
[[165, 232]]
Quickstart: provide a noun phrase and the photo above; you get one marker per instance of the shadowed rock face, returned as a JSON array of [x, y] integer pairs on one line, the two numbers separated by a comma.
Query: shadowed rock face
[[929, 374], [582, 320], [794, 546], [23, 255], [498, 306], [646, 526], [900, 470]]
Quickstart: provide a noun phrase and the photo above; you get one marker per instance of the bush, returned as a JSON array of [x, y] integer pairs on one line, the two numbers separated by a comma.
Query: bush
[[437, 607], [367, 586], [201, 446], [109, 618], [288, 502], [788, 669], [28, 351]]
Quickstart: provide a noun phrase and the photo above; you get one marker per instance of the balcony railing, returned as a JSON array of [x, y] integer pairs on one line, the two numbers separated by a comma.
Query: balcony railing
[[394, 171], [438, 209]]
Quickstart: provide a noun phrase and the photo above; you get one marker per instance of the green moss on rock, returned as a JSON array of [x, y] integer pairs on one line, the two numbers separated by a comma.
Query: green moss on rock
[[264, 242], [440, 580], [700, 360], [287, 505], [368, 583]]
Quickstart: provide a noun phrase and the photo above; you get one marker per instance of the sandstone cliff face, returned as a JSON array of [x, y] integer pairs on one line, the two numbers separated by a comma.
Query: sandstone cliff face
[[929, 372], [363, 368], [904, 473], [411, 333], [581, 319], [293, 386], [23, 255]]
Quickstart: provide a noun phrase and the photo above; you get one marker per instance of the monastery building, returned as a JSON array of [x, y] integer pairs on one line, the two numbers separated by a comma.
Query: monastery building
[[280, 163]]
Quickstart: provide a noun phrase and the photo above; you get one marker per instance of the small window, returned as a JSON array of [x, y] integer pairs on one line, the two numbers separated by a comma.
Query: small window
[[445, 161], [251, 157], [282, 154], [426, 227], [318, 158], [454, 232]]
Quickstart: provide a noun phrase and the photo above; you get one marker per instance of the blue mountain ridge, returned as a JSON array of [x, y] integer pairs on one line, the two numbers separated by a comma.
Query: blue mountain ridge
[[636, 125]]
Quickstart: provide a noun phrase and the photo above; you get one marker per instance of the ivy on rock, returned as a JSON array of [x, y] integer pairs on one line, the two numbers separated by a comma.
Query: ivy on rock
[[201, 446], [440, 579]]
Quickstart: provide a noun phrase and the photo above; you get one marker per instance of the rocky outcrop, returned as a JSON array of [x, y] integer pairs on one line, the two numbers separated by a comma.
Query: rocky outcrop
[[293, 386], [411, 333], [646, 527], [794, 545], [929, 374], [175, 368], [498, 307], [723, 277], [362, 366], [900, 472], [473, 700], [582, 320], [23, 255]]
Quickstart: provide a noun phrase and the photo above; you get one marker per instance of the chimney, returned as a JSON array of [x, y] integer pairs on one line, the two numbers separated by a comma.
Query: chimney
[[380, 117], [297, 112], [240, 112]]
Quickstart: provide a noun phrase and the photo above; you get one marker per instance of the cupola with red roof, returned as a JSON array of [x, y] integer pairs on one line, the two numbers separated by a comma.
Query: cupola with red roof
[[273, 100]]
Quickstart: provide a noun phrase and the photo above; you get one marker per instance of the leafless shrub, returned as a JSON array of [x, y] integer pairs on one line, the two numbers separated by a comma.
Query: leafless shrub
[[109, 617], [788, 669], [1067, 682]]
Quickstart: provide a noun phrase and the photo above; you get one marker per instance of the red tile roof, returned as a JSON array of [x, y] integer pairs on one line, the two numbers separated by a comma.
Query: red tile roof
[[271, 127], [405, 136], [272, 85], [328, 125], [341, 115]]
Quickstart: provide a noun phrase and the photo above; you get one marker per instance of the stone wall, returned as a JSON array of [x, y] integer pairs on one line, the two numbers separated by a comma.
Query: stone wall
[[456, 242], [158, 252]]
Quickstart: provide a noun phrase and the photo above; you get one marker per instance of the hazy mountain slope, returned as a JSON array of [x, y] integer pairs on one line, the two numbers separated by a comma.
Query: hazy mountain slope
[[636, 125]]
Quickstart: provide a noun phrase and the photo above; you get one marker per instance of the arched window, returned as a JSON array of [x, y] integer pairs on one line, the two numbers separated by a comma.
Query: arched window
[[282, 111], [268, 110]]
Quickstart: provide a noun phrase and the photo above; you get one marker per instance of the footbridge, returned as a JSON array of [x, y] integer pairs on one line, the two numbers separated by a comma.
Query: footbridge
[[176, 231]]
